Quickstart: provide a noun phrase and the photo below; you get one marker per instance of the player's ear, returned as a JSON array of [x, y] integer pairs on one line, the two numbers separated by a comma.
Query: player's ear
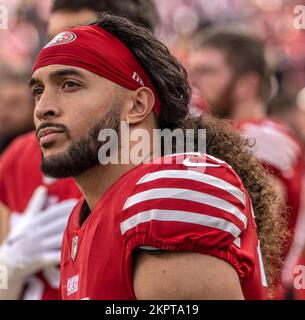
[[143, 102]]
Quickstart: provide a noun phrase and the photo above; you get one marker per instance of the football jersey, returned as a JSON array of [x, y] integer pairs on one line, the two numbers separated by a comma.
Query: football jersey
[[186, 202], [281, 152], [20, 175]]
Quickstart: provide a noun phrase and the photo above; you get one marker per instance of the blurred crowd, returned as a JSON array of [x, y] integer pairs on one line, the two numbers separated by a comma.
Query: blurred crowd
[[271, 20], [181, 21]]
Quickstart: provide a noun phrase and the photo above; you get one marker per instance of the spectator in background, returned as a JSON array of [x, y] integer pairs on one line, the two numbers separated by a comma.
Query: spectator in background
[[230, 71], [67, 13], [16, 106], [233, 79]]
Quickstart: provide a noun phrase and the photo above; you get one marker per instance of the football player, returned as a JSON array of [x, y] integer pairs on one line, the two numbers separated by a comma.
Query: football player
[[31, 256], [179, 227]]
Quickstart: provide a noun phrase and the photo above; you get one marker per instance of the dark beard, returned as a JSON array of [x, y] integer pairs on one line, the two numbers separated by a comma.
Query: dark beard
[[83, 154]]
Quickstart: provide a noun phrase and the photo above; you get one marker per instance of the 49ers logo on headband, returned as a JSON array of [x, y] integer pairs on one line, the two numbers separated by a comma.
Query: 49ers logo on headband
[[62, 38]]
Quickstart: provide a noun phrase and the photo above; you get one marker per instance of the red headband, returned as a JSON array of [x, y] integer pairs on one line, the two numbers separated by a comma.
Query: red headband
[[96, 50]]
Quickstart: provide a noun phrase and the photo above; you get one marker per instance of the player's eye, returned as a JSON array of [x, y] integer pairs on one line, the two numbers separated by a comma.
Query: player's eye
[[70, 84], [37, 91]]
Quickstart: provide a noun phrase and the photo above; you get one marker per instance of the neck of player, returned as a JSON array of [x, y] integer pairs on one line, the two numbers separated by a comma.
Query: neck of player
[[95, 181]]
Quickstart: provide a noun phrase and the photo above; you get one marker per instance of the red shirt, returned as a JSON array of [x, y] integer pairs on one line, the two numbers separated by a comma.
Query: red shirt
[[279, 150], [173, 207], [20, 175]]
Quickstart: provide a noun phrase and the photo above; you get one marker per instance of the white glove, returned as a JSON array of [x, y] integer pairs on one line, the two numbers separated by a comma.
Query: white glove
[[35, 242]]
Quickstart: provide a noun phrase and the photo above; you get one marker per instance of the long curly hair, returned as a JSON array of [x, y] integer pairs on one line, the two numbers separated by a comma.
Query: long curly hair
[[270, 211], [170, 80]]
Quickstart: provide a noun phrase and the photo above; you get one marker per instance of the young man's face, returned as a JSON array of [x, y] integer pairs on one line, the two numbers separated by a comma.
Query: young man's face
[[214, 78], [71, 106], [64, 19]]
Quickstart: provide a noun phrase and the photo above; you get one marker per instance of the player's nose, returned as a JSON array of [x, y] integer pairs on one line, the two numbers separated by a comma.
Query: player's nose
[[46, 109]]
